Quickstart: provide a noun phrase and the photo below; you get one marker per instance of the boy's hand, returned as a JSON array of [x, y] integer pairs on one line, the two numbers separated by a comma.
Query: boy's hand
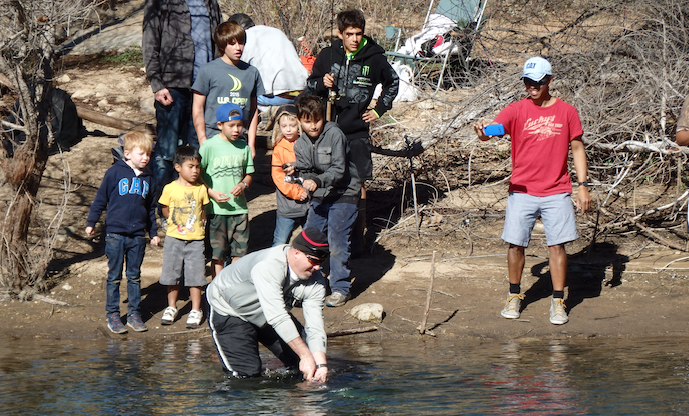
[[310, 185], [328, 80], [238, 189], [304, 196], [478, 129], [288, 169], [89, 231], [155, 241], [218, 196], [369, 116]]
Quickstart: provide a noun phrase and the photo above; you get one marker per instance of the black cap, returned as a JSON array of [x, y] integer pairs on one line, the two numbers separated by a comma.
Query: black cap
[[313, 242], [242, 20]]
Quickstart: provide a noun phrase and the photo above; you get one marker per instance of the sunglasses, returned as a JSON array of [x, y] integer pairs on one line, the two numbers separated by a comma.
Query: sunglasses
[[315, 261], [530, 82]]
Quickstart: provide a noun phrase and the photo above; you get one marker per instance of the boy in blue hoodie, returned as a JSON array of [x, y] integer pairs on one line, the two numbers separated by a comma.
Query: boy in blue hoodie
[[126, 192]]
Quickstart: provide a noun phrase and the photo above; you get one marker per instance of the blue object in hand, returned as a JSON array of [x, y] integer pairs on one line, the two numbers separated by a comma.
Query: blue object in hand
[[494, 130]]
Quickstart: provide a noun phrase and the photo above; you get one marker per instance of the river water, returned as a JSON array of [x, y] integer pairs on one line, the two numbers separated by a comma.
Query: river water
[[408, 377]]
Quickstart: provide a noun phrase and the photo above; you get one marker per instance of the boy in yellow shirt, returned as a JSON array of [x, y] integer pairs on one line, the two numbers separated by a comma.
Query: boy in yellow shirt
[[183, 201]]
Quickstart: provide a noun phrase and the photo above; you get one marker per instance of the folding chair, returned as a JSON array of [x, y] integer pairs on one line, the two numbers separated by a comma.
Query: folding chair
[[461, 19]]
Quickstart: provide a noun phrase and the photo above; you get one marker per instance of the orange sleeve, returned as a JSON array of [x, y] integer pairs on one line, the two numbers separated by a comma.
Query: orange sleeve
[[283, 154]]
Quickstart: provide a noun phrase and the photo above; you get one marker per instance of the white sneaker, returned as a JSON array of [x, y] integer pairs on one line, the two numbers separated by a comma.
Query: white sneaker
[[169, 315], [511, 309], [558, 315], [194, 319]]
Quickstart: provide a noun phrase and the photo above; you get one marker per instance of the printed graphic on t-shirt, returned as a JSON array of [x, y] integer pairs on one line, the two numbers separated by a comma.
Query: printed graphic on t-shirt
[[542, 128], [183, 215]]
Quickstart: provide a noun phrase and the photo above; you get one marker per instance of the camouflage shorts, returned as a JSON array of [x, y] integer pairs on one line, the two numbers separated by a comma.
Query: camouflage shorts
[[228, 235]]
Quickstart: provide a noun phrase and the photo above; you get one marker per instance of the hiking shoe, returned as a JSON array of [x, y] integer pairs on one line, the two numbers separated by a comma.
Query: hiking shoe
[[169, 315], [558, 315], [511, 309], [337, 299], [115, 323], [194, 319], [134, 321]]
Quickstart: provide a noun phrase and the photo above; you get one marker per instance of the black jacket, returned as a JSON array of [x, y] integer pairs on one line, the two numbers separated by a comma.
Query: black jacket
[[355, 82], [167, 45]]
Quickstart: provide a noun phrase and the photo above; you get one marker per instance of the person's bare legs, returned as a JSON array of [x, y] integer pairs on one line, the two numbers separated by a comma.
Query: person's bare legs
[[515, 267], [515, 263], [558, 275], [172, 295], [558, 266], [195, 295], [216, 267]]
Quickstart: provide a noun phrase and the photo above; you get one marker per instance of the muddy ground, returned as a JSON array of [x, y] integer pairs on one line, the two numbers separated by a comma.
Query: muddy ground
[[622, 287], [619, 289]]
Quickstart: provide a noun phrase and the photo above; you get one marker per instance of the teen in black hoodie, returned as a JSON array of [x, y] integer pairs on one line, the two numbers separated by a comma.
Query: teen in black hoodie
[[356, 74], [352, 67]]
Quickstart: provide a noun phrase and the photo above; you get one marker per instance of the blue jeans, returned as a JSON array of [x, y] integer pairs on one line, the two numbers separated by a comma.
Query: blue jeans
[[119, 247], [284, 228], [172, 128], [337, 221]]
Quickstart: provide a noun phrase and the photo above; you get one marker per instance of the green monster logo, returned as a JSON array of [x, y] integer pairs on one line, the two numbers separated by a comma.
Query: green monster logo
[[365, 70]]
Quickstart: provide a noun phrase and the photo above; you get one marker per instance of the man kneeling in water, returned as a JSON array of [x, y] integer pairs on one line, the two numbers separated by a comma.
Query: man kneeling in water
[[250, 301]]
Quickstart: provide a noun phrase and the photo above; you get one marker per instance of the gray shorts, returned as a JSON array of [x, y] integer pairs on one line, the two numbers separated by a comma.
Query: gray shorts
[[557, 215], [188, 253]]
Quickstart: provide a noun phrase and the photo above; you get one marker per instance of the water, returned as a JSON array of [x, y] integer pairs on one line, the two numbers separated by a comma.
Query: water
[[429, 377]]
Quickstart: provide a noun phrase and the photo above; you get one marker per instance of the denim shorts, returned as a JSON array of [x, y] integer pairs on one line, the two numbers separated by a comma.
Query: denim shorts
[[557, 215], [182, 252]]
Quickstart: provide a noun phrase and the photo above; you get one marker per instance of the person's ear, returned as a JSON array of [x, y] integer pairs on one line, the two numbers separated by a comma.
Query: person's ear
[[339, 35]]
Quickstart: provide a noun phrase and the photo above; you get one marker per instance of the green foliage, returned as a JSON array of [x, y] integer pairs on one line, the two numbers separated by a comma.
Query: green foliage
[[131, 56]]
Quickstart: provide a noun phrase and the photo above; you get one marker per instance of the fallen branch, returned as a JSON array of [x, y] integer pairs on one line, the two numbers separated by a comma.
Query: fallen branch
[[49, 300], [116, 123], [663, 147], [662, 240], [351, 331]]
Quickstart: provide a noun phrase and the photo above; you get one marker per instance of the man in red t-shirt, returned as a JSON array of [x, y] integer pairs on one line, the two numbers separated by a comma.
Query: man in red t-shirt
[[543, 129]]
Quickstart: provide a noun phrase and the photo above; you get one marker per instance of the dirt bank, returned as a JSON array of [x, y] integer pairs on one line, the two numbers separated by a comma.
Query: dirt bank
[[618, 290]]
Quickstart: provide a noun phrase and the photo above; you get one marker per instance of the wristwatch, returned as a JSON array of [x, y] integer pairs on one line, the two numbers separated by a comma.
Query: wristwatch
[[246, 185], [586, 184]]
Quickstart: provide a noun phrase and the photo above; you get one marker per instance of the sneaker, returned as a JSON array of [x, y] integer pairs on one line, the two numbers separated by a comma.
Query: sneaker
[[134, 321], [115, 323], [337, 299], [194, 319], [558, 315], [169, 315], [511, 309]]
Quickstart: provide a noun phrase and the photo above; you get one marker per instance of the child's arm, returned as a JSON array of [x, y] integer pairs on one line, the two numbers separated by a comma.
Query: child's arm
[[165, 210], [198, 107], [253, 126], [290, 190], [241, 186], [99, 204], [388, 78]]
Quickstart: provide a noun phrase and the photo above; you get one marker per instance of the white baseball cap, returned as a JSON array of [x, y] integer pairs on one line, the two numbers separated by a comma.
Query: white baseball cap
[[537, 68]]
